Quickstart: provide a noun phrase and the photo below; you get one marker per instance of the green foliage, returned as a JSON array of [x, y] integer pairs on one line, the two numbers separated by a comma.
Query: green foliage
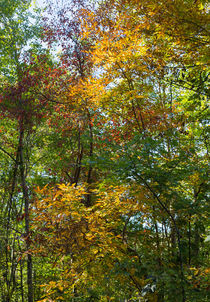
[[104, 152]]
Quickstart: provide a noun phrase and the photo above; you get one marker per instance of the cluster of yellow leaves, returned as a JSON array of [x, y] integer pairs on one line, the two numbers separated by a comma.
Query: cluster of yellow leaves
[[140, 42], [84, 236], [88, 92], [199, 277], [131, 42], [64, 213]]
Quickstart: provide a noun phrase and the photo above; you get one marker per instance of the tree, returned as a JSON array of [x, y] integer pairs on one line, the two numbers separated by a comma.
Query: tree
[[19, 113], [120, 159]]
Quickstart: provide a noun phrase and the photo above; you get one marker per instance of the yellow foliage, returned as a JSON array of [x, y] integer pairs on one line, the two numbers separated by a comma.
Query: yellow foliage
[[90, 234]]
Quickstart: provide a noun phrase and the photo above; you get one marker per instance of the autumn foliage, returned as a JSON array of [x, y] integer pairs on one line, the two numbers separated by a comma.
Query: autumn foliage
[[104, 154]]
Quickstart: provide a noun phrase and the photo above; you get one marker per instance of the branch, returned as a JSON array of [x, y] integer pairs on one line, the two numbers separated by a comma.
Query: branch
[[2, 149]]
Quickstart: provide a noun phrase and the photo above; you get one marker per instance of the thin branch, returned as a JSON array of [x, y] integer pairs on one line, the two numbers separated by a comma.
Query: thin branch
[[3, 150]]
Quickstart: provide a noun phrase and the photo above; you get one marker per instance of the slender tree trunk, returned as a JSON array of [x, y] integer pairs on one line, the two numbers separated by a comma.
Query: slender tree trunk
[[197, 244], [157, 240], [78, 161], [89, 177], [189, 241], [27, 225], [160, 295], [21, 281]]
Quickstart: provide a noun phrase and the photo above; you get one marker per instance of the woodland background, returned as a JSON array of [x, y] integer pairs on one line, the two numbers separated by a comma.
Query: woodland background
[[104, 151]]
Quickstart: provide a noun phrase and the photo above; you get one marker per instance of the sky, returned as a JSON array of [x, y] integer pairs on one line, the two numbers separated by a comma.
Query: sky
[[38, 3]]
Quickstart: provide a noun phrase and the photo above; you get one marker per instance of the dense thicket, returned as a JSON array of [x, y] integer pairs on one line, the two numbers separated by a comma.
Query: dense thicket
[[104, 151]]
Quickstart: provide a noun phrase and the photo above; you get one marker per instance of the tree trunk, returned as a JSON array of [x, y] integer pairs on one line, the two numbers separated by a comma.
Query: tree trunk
[[27, 225]]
